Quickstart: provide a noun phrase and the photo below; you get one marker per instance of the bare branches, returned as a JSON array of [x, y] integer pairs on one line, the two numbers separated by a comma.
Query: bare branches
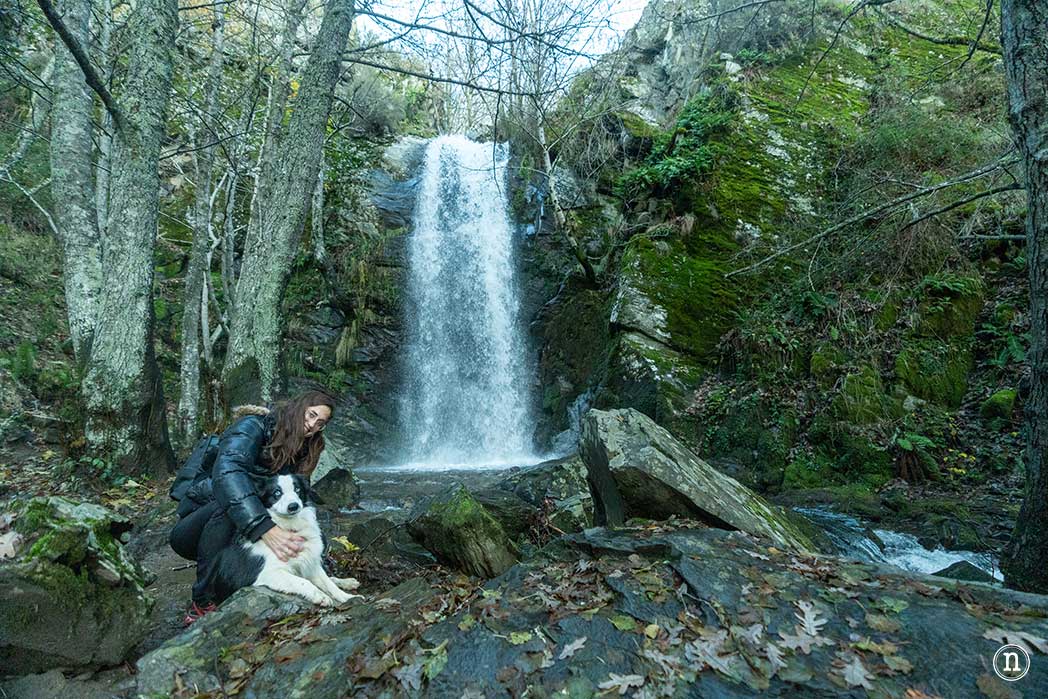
[[999, 164], [94, 81]]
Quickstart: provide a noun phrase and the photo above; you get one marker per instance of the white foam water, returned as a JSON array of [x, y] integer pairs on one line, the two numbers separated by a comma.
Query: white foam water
[[466, 394], [850, 537]]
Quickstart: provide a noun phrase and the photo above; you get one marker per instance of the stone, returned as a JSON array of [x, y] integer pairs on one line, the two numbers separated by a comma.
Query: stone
[[1000, 405], [636, 468], [582, 612], [337, 488], [963, 570], [461, 533], [73, 597]]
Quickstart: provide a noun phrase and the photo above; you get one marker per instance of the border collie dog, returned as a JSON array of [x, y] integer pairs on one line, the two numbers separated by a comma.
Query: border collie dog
[[245, 564]]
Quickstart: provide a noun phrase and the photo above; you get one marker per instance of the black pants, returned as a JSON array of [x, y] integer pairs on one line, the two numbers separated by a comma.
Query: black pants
[[199, 536]]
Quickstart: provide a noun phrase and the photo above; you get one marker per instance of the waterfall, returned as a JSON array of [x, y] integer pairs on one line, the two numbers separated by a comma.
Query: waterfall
[[465, 399]]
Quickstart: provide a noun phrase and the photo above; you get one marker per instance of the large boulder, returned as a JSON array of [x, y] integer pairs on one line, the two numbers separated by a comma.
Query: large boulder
[[72, 596], [636, 468], [461, 533]]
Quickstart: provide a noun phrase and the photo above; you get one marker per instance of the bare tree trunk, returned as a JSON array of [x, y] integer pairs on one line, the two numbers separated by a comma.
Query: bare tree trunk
[[1024, 37], [72, 183], [195, 299], [285, 185], [122, 389], [559, 218]]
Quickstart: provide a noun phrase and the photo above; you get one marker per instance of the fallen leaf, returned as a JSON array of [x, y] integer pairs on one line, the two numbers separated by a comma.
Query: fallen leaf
[[651, 630], [855, 674], [1019, 638], [897, 663], [810, 621], [346, 543], [519, 637], [572, 648], [992, 687], [623, 622], [879, 622], [891, 604], [622, 683], [467, 623]]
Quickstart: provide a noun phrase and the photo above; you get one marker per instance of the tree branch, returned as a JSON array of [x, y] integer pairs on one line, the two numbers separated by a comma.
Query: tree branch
[[941, 40], [90, 75]]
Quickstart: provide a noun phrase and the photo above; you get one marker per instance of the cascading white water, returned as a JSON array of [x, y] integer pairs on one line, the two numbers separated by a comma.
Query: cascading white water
[[466, 396]]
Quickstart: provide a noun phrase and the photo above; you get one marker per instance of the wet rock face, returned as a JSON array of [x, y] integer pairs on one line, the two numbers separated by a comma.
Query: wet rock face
[[637, 469], [669, 609], [72, 596]]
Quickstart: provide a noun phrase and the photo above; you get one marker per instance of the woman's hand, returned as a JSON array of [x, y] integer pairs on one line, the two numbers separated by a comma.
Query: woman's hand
[[283, 543]]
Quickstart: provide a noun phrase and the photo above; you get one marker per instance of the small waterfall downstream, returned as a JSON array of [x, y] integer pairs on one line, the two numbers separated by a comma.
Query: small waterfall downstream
[[465, 399]]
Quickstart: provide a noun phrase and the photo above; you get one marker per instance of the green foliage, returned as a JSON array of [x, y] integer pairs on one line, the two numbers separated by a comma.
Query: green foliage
[[92, 468], [22, 362], [683, 153]]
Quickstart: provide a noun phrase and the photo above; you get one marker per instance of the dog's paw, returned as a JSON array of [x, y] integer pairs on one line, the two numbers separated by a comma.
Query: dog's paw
[[324, 601], [347, 584]]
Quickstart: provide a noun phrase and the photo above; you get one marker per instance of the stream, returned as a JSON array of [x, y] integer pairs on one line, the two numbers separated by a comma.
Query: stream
[[863, 542]]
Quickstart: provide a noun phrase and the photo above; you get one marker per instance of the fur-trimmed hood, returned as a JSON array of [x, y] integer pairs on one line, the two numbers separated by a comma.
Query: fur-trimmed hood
[[242, 410]]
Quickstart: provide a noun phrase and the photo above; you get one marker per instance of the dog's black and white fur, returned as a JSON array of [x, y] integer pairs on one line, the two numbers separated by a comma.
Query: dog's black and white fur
[[244, 564]]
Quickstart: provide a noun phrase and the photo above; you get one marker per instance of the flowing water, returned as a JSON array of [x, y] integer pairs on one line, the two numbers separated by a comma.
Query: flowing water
[[854, 540], [466, 394]]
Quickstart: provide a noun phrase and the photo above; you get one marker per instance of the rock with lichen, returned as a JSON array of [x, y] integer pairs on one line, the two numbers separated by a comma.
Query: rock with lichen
[[637, 469], [73, 596]]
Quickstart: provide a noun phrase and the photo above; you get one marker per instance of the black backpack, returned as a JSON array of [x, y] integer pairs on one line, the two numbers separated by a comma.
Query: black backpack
[[197, 466]]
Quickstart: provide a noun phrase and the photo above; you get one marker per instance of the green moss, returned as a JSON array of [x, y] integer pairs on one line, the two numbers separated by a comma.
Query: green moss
[[636, 126], [949, 305], [999, 406], [862, 399], [825, 364], [700, 302], [934, 370]]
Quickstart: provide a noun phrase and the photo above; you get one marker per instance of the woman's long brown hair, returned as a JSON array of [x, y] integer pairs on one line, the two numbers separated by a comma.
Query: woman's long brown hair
[[289, 444]]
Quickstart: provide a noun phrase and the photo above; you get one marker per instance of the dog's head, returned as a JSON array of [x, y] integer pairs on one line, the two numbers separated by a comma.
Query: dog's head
[[286, 495]]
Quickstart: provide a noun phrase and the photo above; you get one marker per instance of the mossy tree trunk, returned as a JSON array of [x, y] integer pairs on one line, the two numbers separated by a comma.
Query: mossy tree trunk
[[1024, 34], [285, 186], [72, 182], [122, 392]]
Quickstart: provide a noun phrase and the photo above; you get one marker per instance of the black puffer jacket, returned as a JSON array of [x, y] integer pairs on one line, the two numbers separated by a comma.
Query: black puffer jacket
[[238, 475]]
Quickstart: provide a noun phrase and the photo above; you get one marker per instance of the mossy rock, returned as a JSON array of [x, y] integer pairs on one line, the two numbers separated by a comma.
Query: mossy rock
[[755, 435], [825, 364], [75, 597], [460, 532], [950, 306], [652, 378], [843, 454], [862, 399], [934, 370], [1000, 406], [696, 300]]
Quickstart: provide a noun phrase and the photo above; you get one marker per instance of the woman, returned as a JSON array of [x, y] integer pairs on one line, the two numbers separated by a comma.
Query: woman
[[260, 443]]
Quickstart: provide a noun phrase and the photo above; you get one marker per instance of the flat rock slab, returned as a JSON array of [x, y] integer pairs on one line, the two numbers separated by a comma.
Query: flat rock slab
[[671, 609], [637, 469]]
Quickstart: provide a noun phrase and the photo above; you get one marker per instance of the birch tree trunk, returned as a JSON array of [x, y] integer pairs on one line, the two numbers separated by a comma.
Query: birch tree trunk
[[122, 390], [72, 183], [285, 184], [1024, 37], [194, 300]]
